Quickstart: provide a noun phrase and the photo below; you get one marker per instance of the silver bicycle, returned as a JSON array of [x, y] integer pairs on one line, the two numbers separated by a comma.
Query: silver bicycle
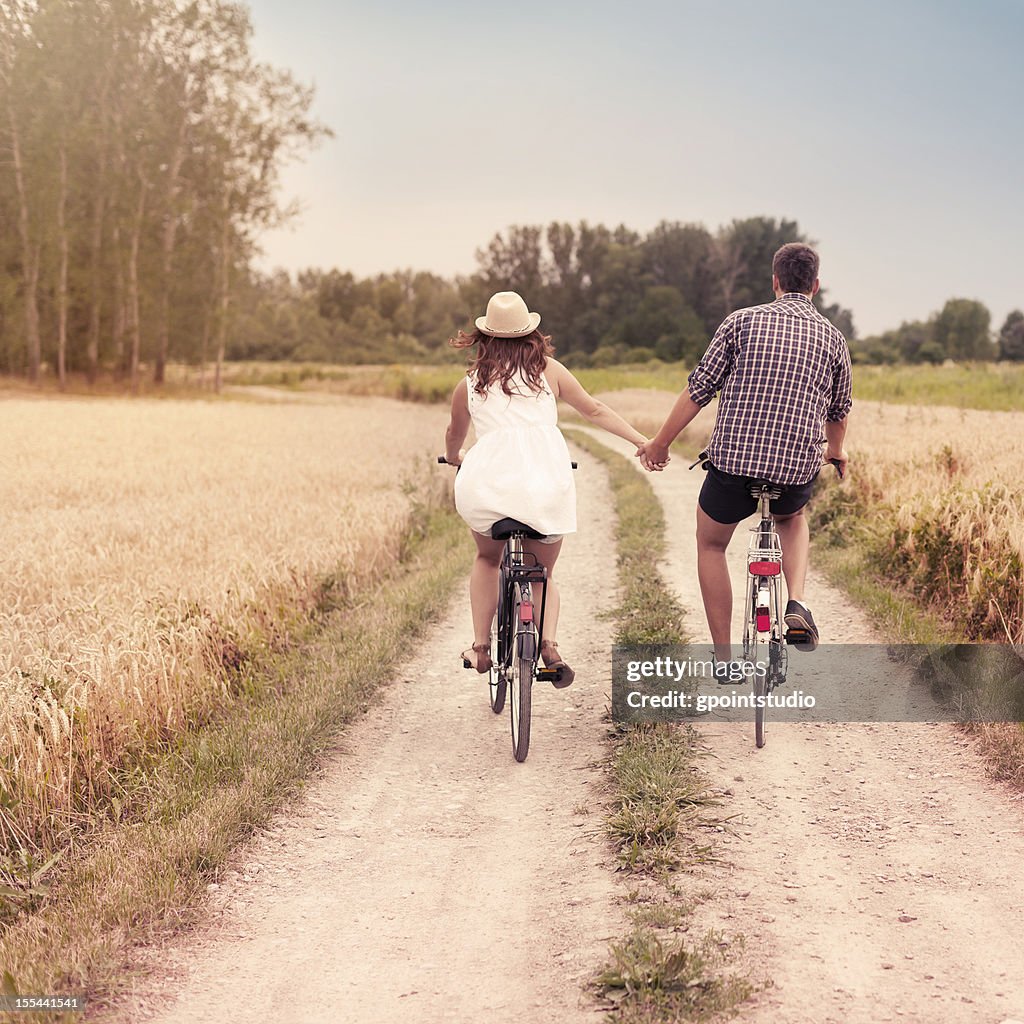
[[765, 637], [764, 633]]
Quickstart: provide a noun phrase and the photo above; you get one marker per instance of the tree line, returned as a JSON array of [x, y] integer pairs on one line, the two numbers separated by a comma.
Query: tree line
[[140, 149], [961, 330], [605, 294]]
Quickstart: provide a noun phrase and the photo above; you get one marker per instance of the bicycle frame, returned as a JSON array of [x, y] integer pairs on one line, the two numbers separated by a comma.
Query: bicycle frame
[[518, 567], [764, 567], [764, 639]]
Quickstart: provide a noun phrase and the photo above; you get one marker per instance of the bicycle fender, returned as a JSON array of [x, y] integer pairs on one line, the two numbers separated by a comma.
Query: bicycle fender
[[526, 646]]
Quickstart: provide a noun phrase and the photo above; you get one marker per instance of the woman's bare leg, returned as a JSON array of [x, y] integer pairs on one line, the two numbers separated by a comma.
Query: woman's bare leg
[[483, 586], [547, 555]]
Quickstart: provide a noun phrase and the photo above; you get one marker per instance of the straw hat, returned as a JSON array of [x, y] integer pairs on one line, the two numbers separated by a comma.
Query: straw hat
[[507, 317]]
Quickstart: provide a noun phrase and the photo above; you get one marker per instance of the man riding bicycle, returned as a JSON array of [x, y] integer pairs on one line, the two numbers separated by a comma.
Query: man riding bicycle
[[783, 371]]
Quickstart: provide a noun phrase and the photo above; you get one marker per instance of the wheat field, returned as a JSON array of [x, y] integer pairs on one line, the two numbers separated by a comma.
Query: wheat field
[[945, 482], [150, 546]]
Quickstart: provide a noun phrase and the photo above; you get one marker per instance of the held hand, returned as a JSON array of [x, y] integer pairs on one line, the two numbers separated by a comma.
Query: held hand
[[839, 456], [653, 457]]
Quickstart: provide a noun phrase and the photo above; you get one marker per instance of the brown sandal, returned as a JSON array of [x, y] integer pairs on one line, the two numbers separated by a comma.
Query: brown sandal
[[483, 659], [552, 659]]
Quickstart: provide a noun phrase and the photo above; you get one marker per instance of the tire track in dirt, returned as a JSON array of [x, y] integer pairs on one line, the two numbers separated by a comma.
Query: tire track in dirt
[[873, 868], [424, 875]]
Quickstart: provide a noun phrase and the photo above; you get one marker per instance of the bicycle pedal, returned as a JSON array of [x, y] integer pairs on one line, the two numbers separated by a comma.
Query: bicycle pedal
[[798, 636], [466, 663], [549, 675]]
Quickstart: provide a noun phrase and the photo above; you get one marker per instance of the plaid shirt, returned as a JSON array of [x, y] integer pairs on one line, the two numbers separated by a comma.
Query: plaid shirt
[[783, 370]]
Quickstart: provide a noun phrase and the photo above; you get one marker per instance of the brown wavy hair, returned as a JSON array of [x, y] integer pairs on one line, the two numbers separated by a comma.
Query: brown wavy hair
[[498, 360]]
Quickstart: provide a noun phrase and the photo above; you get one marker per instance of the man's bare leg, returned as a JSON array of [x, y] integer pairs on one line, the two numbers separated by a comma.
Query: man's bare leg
[[715, 586], [795, 536]]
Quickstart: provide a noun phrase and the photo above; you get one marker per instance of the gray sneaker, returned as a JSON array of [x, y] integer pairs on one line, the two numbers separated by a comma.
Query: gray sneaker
[[802, 632]]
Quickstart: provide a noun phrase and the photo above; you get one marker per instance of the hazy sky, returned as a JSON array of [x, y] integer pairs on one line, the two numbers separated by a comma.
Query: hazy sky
[[891, 131]]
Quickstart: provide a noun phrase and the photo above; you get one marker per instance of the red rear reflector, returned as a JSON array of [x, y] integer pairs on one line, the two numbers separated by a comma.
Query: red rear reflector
[[765, 568], [764, 622], [526, 612]]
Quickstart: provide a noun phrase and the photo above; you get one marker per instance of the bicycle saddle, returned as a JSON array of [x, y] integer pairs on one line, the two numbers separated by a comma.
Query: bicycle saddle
[[756, 486], [504, 528]]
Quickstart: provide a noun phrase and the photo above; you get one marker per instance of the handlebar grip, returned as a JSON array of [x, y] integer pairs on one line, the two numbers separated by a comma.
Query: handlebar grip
[[839, 467], [442, 460], [574, 464]]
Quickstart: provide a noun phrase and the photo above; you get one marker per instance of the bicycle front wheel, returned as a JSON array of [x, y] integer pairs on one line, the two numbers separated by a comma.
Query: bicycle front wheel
[[496, 683], [521, 670], [501, 641]]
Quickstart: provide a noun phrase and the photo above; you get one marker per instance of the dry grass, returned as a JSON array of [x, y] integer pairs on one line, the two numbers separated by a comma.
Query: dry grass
[[934, 504], [936, 489], [150, 548]]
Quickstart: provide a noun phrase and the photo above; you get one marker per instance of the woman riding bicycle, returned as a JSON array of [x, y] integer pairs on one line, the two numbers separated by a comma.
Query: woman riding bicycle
[[520, 467]]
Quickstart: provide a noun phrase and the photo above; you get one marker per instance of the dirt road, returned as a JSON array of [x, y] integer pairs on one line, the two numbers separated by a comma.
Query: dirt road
[[874, 869], [425, 876]]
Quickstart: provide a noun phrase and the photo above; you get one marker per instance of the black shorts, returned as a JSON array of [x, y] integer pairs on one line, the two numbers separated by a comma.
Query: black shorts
[[727, 498]]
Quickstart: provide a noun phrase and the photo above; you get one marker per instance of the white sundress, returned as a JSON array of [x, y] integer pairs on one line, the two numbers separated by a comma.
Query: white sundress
[[520, 467]]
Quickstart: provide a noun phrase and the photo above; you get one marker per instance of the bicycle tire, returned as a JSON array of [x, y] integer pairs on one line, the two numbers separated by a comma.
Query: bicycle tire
[[501, 616], [520, 676], [497, 685], [497, 682], [778, 662], [760, 682], [749, 627], [753, 654], [762, 644]]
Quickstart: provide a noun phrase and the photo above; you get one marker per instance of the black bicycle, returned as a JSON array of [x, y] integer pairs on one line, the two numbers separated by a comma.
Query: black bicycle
[[515, 642]]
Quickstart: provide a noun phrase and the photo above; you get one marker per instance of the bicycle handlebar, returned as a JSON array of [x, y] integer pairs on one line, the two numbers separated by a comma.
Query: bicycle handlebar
[[444, 462]]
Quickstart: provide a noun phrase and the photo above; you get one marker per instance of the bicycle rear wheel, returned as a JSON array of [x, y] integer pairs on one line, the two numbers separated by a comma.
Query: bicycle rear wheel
[[522, 668], [749, 624], [756, 651], [762, 668]]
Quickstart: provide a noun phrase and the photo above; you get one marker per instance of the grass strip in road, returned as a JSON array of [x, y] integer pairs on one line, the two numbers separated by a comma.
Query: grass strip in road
[[648, 611], [659, 980], [663, 809], [217, 785], [661, 816]]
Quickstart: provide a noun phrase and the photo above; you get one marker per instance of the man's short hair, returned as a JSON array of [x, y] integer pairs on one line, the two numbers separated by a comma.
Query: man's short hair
[[796, 267]]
